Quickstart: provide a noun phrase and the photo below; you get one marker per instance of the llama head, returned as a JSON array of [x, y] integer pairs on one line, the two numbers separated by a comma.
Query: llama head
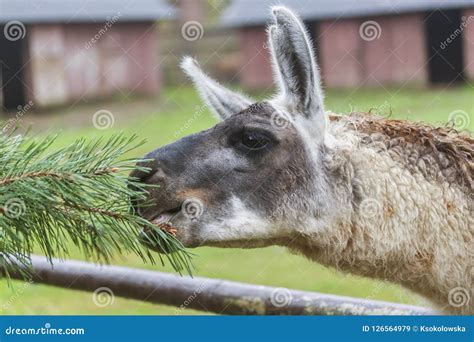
[[246, 181]]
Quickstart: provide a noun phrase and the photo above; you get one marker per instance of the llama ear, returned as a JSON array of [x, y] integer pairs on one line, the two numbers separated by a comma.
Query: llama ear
[[221, 100], [294, 65]]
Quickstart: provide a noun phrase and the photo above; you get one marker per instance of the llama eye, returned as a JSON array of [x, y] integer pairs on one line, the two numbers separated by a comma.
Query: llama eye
[[254, 140]]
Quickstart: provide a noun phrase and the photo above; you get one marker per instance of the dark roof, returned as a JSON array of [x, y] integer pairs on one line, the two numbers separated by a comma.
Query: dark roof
[[65, 11], [250, 13]]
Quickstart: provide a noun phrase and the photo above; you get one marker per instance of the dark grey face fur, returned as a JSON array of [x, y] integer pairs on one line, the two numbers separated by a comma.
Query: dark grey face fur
[[238, 183], [245, 157]]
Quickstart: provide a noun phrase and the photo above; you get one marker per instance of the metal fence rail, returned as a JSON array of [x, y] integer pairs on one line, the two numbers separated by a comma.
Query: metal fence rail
[[210, 295]]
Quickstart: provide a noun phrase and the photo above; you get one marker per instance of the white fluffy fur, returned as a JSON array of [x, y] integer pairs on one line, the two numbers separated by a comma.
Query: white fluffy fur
[[247, 230]]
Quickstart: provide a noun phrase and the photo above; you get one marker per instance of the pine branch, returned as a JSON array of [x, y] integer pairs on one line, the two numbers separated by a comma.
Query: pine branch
[[39, 174], [80, 194]]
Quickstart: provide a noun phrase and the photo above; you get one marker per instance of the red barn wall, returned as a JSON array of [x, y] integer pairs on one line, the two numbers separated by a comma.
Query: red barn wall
[[66, 65], [398, 56], [468, 36], [402, 52], [255, 71], [339, 54]]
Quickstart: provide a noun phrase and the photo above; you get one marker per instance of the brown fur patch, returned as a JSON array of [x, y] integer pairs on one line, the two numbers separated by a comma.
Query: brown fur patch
[[202, 194], [439, 153], [450, 206], [389, 212]]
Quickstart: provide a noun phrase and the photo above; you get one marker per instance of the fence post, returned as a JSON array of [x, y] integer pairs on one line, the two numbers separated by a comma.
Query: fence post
[[205, 294]]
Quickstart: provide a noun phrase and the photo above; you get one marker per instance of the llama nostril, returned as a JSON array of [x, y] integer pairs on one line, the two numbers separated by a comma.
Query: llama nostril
[[154, 176], [134, 200], [148, 176], [136, 177]]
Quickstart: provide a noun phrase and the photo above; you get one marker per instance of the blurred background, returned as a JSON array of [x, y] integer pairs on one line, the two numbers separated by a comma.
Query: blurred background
[[92, 68]]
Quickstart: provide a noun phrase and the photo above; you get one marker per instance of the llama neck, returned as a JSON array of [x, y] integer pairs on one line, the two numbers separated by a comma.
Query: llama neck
[[393, 224]]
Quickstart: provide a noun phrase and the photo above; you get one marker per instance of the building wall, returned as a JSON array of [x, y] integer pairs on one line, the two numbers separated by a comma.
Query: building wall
[[339, 53], [255, 70], [408, 62], [46, 70], [74, 61], [393, 52], [468, 36], [397, 56]]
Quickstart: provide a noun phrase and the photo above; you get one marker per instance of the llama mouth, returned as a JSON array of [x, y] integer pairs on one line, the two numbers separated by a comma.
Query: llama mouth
[[150, 237], [163, 220], [166, 216]]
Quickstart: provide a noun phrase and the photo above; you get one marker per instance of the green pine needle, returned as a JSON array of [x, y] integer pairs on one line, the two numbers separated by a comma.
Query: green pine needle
[[79, 193]]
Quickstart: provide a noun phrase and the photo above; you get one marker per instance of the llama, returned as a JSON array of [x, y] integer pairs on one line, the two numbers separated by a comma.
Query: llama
[[387, 199]]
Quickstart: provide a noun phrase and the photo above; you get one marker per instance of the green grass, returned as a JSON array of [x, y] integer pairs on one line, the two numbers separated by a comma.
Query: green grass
[[177, 114]]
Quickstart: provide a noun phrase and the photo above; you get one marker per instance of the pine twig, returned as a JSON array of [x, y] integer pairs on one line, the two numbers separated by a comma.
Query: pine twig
[[78, 193]]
